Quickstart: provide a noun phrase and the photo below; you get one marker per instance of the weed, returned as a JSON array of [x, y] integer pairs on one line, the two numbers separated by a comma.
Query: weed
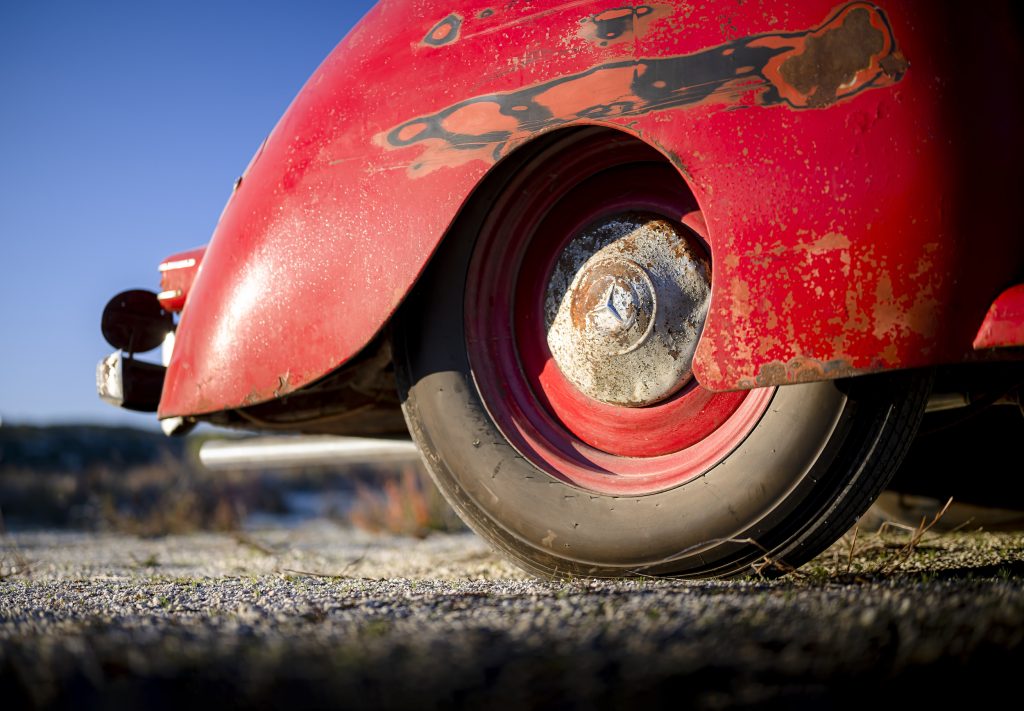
[[12, 563], [916, 536], [250, 542], [853, 548], [150, 561], [408, 504]]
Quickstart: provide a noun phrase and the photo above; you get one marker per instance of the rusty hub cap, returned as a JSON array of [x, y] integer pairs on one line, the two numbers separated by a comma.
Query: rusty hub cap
[[625, 306], [612, 306]]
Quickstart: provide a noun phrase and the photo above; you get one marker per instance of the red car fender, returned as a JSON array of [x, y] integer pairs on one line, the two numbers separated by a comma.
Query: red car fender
[[851, 162]]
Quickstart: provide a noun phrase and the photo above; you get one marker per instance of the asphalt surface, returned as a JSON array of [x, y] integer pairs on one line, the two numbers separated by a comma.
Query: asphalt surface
[[322, 616]]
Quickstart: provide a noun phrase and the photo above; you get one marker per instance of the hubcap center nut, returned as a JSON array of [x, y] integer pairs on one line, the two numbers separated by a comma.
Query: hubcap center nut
[[625, 307], [612, 306]]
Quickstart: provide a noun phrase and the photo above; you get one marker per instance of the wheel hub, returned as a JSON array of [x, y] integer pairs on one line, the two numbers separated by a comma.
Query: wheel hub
[[612, 307], [625, 306]]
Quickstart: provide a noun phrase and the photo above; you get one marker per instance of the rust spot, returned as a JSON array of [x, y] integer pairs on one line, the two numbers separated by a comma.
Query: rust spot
[[853, 51], [833, 60], [800, 369], [886, 313], [895, 65], [619, 24], [829, 242], [283, 385], [444, 32], [894, 316]]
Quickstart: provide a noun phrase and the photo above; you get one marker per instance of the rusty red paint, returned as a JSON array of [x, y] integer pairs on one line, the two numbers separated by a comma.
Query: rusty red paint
[[868, 231], [850, 52], [1003, 326]]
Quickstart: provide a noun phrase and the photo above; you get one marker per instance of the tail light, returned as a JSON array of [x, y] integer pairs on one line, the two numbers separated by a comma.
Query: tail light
[[177, 273]]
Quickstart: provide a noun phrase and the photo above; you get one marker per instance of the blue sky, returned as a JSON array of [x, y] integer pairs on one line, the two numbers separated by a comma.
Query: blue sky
[[122, 128]]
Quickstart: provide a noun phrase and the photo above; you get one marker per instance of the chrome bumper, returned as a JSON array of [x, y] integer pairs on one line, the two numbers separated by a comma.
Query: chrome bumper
[[129, 383]]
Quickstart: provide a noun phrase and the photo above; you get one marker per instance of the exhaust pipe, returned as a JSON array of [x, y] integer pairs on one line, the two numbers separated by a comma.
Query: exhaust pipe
[[304, 451]]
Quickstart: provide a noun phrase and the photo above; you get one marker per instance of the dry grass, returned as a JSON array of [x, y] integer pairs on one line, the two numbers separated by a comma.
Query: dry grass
[[177, 510], [887, 550], [407, 504], [149, 500], [881, 553], [175, 496], [13, 562]]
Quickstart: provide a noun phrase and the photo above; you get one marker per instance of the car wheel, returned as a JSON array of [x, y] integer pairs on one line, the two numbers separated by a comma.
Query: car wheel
[[544, 362]]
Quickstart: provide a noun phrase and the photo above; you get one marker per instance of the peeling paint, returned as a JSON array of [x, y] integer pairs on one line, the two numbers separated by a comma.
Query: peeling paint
[[827, 243], [817, 271], [444, 32], [799, 370], [849, 53], [283, 385], [620, 24]]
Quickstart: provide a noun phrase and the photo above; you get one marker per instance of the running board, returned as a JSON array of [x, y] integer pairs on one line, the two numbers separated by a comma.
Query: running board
[[304, 451]]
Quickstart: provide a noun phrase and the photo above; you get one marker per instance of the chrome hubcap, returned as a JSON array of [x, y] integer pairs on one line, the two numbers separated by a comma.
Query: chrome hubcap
[[625, 307]]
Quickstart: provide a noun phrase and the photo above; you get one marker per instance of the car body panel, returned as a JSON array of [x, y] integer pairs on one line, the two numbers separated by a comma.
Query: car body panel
[[845, 158], [1003, 326]]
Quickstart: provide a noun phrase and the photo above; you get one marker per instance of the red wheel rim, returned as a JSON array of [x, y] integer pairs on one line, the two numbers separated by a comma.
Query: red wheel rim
[[576, 438]]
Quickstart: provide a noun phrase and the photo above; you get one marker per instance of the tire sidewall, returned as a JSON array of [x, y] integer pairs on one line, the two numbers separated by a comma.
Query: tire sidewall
[[697, 524]]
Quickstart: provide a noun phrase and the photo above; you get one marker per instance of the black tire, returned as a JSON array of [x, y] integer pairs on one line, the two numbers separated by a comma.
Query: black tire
[[814, 462]]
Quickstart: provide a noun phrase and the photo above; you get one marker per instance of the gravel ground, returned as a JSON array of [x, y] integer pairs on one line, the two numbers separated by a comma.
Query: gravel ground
[[323, 616]]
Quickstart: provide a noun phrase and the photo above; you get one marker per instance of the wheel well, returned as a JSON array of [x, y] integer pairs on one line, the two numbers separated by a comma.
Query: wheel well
[[474, 208]]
